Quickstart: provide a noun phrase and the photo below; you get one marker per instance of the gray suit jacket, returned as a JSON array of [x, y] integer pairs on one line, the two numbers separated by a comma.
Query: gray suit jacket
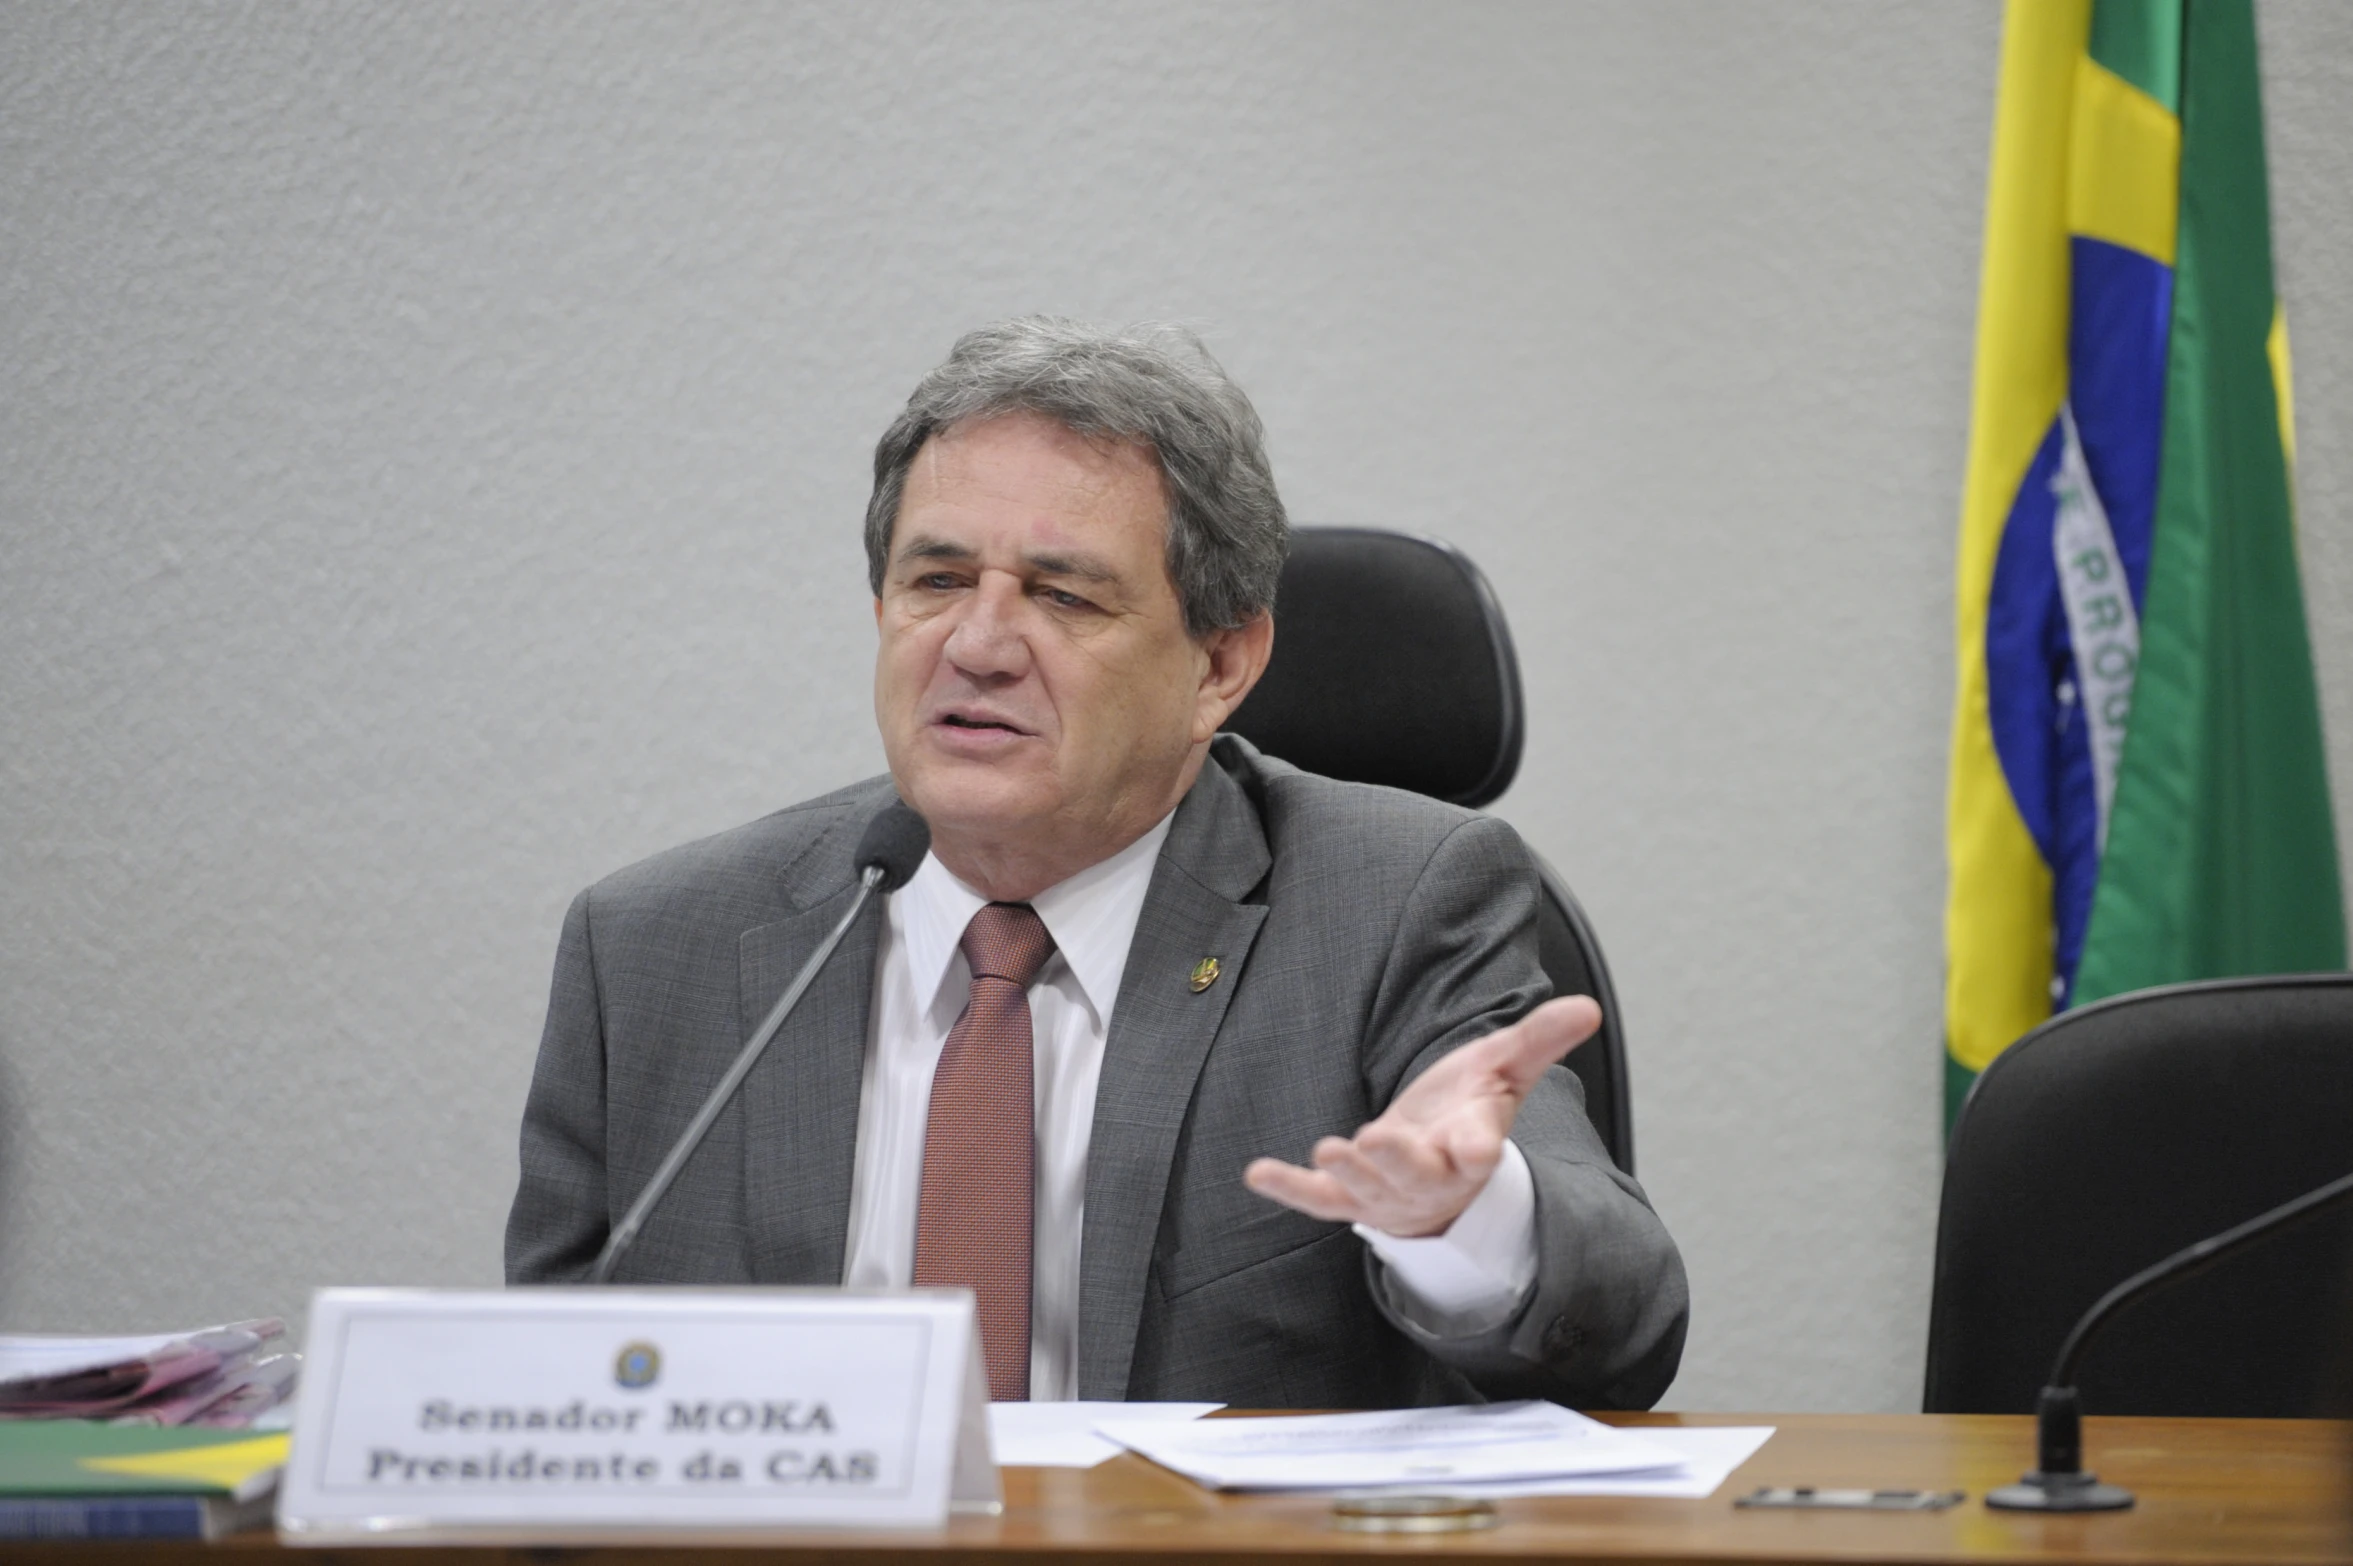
[[1362, 933]]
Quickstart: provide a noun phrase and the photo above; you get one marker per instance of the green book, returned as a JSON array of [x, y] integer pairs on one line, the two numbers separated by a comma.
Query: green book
[[77, 1478]]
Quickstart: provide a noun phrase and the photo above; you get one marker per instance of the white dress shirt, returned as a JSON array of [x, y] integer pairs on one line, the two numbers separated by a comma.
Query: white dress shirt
[[1469, 1278]]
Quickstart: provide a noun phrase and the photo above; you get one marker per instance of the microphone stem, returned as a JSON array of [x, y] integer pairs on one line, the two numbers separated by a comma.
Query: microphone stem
[[2187, 1263], [2059, 1483], [625, 1232]]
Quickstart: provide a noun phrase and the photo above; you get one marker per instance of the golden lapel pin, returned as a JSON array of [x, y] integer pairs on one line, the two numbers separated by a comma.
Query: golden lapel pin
[[1204, 974]]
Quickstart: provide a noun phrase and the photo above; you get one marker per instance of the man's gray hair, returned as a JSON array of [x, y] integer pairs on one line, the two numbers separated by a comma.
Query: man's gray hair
[[1153, 383]]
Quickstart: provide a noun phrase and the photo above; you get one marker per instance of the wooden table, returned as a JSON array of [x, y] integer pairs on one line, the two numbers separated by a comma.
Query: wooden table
[[2210, 1491]]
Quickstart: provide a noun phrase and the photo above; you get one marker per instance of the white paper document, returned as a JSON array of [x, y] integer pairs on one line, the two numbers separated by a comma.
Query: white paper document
[[1709, 1454], [1062, 1435], [1409, 1446], [30, 1356]]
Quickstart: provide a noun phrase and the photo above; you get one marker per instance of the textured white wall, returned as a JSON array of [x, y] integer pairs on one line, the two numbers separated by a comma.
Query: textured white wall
[[431, 449]]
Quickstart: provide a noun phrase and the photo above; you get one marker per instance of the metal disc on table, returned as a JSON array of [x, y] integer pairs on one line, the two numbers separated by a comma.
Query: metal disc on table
[[1390, 1511]]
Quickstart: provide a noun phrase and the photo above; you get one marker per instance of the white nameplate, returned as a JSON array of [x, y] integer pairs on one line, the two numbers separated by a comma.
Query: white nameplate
[[550, 1412]]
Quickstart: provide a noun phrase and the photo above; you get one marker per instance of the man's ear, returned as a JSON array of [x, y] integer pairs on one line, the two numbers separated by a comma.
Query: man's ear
[[1235, 660]]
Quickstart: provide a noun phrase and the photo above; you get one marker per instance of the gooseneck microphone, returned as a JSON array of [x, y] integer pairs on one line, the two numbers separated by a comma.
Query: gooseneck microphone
[[894, 845], [2058, 1483]]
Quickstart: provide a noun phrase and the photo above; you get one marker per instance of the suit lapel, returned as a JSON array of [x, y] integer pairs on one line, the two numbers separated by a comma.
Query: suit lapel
[[800, 1104], [1160, 1034]]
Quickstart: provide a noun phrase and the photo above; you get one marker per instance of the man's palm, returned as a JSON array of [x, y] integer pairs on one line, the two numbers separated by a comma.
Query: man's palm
[[1412, 1171]]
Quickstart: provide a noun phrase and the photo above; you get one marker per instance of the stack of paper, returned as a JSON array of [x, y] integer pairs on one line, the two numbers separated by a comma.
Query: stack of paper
[[1492, 1448], [217, 1376]]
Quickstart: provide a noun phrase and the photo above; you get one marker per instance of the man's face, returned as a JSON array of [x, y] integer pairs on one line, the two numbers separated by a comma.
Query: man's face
[[1039, 697]]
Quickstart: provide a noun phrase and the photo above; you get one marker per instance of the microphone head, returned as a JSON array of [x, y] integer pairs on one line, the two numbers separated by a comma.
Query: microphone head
[[895, 842]]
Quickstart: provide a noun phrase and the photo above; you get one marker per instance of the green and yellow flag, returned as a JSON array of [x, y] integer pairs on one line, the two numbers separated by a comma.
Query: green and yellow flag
[[2138, 790]]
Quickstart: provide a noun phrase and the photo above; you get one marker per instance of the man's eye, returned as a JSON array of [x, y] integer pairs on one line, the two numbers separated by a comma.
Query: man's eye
[[939, 582], [1061, 598]]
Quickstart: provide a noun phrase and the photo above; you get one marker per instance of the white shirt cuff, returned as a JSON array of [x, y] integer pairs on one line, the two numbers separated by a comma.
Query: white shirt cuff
[[1475, 1274]]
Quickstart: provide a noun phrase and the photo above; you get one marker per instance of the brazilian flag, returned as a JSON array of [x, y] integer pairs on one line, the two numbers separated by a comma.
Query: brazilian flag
[[2138, 792]]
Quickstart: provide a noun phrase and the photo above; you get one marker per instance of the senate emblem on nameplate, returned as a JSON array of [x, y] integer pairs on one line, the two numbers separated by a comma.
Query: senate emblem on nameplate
[[637, 1366]]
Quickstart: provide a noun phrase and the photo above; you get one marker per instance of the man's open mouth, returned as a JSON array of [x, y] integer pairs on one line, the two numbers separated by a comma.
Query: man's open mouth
[[958, 721]]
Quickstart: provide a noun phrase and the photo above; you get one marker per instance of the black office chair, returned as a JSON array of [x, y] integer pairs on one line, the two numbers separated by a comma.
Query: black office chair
[[1393, 665], [2109, 1138]]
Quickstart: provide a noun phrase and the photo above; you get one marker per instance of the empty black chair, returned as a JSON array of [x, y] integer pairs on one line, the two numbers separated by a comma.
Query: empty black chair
[[2113, 1136], [1393, 665]]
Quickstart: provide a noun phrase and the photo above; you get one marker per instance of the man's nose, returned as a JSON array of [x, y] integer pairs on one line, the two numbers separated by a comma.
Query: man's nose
[[988, 641]]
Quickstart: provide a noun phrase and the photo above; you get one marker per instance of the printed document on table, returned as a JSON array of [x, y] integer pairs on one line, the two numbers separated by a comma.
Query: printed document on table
[[1407, 1446], [1062, 1435], [1709, 1453]]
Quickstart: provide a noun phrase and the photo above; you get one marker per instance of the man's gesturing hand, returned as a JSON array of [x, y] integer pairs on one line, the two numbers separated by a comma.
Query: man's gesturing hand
[[1413, 1170]]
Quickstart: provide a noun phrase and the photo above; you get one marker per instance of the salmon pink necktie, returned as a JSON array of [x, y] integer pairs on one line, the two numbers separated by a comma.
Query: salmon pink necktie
[[973, 1225]]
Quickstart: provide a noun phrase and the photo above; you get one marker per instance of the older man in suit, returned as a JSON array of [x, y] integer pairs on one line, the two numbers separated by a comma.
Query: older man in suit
[[1141, 968]]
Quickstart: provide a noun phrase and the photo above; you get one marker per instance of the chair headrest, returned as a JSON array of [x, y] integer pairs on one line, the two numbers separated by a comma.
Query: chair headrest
[[1392, 664]]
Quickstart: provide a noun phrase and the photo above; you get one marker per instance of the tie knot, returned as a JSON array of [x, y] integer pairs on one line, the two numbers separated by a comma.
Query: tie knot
[[1007, 941]]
